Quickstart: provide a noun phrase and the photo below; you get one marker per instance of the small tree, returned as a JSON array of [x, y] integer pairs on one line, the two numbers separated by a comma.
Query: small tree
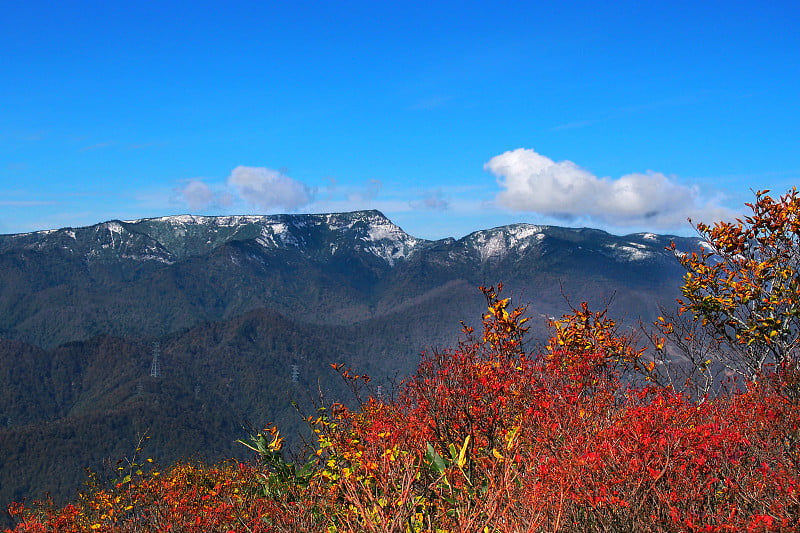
[[743, 286]]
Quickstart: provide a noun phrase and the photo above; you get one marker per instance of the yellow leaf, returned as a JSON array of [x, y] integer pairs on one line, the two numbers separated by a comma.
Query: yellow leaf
[[511, 436], [462, 455]]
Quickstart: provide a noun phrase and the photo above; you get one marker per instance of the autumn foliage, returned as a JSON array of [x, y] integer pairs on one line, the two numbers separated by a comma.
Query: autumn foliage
[[490, 436]]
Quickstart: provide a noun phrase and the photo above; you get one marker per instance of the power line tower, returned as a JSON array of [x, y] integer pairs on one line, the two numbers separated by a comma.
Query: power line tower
[[155, 368], [295, 373]]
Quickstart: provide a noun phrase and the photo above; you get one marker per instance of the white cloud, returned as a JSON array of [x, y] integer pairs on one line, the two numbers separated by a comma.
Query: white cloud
[[532, 182], [269, 189], [197, 194]]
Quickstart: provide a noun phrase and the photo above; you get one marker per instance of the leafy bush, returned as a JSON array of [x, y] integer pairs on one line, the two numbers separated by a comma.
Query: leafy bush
[[492, 437], [742, 290]]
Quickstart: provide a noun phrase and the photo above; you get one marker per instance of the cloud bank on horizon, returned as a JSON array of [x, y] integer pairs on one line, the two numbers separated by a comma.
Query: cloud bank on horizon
[[534, 183], [267, 190], [529, 183]]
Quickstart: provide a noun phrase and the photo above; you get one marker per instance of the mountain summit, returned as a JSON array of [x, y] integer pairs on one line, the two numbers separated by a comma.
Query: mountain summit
[[173, 238]]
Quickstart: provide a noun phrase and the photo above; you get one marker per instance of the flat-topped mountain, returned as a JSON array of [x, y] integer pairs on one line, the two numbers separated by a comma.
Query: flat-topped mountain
[[173, 238]]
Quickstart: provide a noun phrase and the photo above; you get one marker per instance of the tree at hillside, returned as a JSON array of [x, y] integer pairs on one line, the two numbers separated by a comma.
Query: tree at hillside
[[742, 293]]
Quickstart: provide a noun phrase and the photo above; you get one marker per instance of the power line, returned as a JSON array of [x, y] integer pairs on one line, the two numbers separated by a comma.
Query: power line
[[155, 368]]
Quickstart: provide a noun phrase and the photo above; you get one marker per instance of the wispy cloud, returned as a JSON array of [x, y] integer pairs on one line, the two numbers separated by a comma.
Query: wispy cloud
[[98, 146], [124, 146], [23, 136], [145, 145], [623, 111], [426, 104], [575, 125], [26, 203], [433, 201], [563, 190], [367, 193]]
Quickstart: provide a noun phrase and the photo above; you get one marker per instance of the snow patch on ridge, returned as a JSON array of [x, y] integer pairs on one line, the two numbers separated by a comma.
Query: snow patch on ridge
[[495, 244], [630, 251], [708, 247], [277, 235], [390, 242], [115, 228], [148, 257]]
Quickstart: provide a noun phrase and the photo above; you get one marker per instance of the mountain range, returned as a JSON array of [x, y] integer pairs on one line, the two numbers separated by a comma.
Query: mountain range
[[248, 313]]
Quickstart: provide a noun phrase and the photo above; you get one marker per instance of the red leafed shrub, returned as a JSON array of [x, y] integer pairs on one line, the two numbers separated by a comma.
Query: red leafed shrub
[[490, 437]]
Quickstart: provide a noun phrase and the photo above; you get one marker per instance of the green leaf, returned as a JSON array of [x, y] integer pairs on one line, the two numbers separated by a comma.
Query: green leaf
[[434, 460], [306, 470], [453, 451]]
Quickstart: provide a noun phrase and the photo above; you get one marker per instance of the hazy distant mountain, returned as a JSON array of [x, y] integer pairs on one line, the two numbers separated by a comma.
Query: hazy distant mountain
[[236, 301]]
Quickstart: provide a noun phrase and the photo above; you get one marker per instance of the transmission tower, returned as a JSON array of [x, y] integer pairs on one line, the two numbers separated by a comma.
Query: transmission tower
[[295, 373], [155, 368]]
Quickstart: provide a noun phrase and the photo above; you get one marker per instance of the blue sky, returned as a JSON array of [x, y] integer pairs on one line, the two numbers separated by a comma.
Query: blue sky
[[448, 117]]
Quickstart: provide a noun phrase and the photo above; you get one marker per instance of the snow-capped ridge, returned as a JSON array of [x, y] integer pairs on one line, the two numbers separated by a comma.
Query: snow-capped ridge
[[373, 232], [325, 236], [495, 244]]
